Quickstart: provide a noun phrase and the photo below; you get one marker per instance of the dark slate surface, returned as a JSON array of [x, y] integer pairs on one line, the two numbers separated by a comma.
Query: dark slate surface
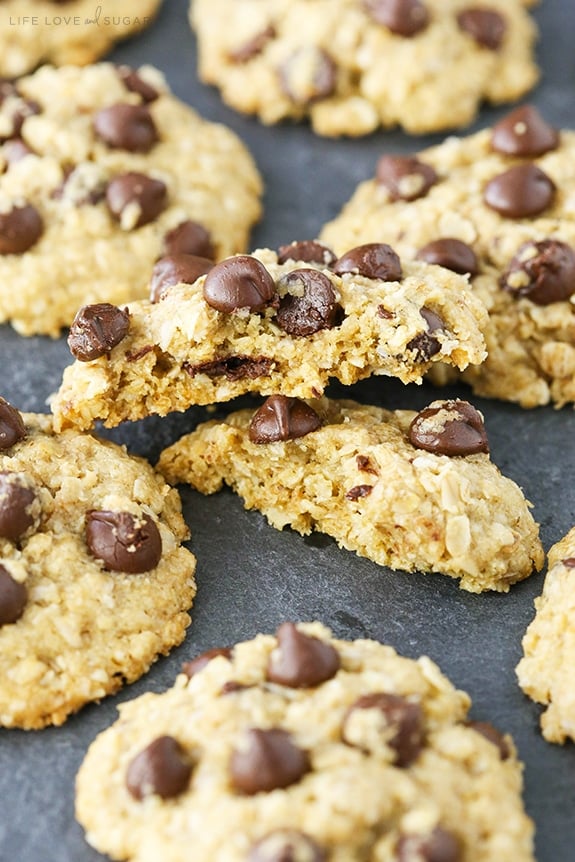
[[252, 577]]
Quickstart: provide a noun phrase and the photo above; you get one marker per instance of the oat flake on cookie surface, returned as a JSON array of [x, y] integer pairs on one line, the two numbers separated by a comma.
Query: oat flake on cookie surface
[[94, 581], [103, 172]]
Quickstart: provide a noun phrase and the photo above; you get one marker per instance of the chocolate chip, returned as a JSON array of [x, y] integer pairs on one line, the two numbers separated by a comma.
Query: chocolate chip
[[124, 542], [493, 735], [282, 418], [233, 367], [232, 687], [372, 260], [359, 491], [239, 282], [405, 177], [13, 598], [402, 17], [286, 845], [189, 237], [544, 272], [12, 428], [17, 496], [266, 760], [15, 150], [20, 228], [524, 132], [254, 46], [450, 253], [486, 26], [449, 428], [426, 344], [301, 661], [191, 668], [161, 769], [176, 269], [135, 199], [520, 192], [308, 251], [308, 75], [133, 82], [21, 110], [397, 722], [439, 846], [126, 127], [364, 463], [569, 562], [96, 329], [309, 303]]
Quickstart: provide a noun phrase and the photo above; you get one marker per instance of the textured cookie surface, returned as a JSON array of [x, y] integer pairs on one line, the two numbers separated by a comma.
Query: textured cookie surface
[[105, 171], [397, 487], [94, 582], [353, 65], [314, 324], [545, 672], [301, 746], [507, 195], [65, 31]]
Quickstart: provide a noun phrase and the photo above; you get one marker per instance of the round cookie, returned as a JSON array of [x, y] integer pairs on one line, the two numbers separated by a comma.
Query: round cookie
[[353, 65], [500, 206], [94, 582], [65, 31], [104, 172], [304, 747]]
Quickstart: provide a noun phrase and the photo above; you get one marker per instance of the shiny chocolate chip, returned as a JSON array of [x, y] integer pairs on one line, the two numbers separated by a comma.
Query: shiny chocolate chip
[[494, 736], [96, 329], [543, 272], [359, 491], [397, 722], [161, 769], [15, 149], [300, 660], [307, 251], [126, 127], [485, 26], [135, 199], [402, 17], [524, 132], [20, 229], [373, 260], [308, 303], [191, 668], [449, 428], [453, 254], [521, 192], [239, 282], [134, 82], [282, 418], [233, 367], [266, 760], [17, 496], [254, 46], [176, 269], [22, 109], [439, 846], [123, 542], [405, 177], [189, 237], [13, 598], [12, 428], [426, 344], [569, 562], [286, 845], [308, 75]]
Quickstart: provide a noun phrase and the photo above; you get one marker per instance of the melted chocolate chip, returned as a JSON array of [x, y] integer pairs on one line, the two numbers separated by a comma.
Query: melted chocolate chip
[[239, 282], [189, 237], [439, 846], [133, 82], [126, 127], [426, 344], [359, 491], [307, 251], [569, 562], [405, 177], [308, 75], [364, 464], [233, 367], [375, 260], [16, 499], [254, 46], [450, 253], [20, 229], [161, 769], [524, 132], [493, 735], [301, 661], [402, 17], [12, 428], [449, 428], [399, 724], [282, 418], [266, 760], [123, 542], [96, 329], [13, 598], [233, 687], [191, 668], [485, 26], [309, 303], [544, 272], [521, 192], [146, 196], [286, 845], [176, 269]]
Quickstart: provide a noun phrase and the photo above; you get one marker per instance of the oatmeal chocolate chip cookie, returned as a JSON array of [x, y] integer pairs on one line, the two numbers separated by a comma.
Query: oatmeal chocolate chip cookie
[[353, 65], [412, 491], [545, 672], [299, 746], [500, 206], [265, 323], [102, 172], [94, 582], [65, 31]]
